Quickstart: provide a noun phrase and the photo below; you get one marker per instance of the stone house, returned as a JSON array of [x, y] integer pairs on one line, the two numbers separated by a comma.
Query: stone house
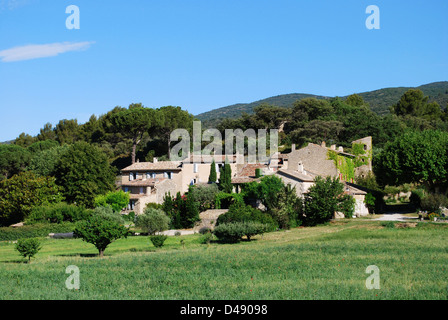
[[149, 182], [300, 167]]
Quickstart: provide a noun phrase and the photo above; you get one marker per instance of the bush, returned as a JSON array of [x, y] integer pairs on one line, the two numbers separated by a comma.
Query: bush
[[158, 240], [28, 247], [229, 232], [347, 206], [240, 212], [34, 231], [432, 216], [235, 231], [58, 213], [433, 203], [206, 238], [204, 230], [117, 200], [152, 221]]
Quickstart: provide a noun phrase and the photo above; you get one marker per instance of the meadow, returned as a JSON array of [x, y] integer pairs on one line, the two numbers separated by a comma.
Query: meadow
[[323, 262]]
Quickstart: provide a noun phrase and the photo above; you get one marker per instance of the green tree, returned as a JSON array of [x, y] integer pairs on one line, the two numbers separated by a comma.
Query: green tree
[[67, 131], [100, 232], [225, 178], [171, 118], [23, 192], [322, 200], [40, 146], [414, 157], [133, 123], [117, 200], [44, 163], [84, 172], [24, 140], [28, 247], [413, 102], [355, 100], [153, 221], [47, 133], [212, 177], [13, 160], [191, 210]]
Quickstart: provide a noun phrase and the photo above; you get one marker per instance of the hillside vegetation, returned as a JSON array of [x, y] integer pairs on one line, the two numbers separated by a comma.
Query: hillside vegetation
[[379, 101]]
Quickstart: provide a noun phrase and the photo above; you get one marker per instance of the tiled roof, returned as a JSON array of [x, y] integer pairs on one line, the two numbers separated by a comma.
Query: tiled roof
[[350, 188], [239, 180], [142, 183], [150, 166], [210, 158], [249, 170], [296, 174]]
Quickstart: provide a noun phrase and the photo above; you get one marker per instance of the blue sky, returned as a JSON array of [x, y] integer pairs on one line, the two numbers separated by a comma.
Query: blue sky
[[206, 54]]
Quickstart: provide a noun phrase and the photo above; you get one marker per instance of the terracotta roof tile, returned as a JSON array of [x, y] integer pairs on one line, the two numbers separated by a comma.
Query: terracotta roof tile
[[150, 166]]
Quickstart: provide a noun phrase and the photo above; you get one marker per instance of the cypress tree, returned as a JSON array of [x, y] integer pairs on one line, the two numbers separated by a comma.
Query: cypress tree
[[212, 177]]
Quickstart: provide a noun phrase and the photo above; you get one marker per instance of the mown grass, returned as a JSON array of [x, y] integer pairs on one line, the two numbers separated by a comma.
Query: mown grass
[[324, 262]]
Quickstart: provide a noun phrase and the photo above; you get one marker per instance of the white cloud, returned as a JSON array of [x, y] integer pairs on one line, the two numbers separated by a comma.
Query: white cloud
[[35, 51]]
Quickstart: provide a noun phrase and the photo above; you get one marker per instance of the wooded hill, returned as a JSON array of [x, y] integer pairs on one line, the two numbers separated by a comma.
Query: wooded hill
[[379, 101]]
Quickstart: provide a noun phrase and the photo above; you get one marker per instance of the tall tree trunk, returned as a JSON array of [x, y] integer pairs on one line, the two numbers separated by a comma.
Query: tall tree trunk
[[134, 152]]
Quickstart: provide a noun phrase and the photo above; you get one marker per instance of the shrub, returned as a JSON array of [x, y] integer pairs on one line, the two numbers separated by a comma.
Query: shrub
[[206, 238], [433, 203], [229, 232], [152, 221], [158, 240], [58, 213], [205, 195], [432, 216], [235, 231], [117, 200], [204, 230], [240, 212], [28, 247], [347, 206]]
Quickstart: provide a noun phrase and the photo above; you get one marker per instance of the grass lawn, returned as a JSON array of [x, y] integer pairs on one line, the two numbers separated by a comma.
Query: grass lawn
[[324, 262]]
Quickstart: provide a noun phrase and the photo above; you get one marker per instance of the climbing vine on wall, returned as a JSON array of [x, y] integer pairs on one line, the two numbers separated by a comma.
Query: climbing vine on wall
[[362, 156], [345, 165]]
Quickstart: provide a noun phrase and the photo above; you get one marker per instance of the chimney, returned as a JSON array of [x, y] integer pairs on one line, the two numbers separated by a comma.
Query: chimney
[[333, 147], [341, 149], [300, 168], [138, 160], [324, 145], [293, 147], [155, 160]]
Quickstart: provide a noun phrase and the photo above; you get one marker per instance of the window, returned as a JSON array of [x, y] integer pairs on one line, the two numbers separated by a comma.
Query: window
[[131, 176], [142, 190], [126, 189], [168, 175]]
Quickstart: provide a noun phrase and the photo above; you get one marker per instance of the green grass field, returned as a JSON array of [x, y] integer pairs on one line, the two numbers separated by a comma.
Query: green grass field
[[324, 262]]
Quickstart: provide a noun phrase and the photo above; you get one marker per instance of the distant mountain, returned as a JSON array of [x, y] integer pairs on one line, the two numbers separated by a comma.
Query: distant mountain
[[379, 100], [7, 142]]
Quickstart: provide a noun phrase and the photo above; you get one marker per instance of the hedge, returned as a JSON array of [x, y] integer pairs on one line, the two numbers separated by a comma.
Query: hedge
[[34, 231]]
